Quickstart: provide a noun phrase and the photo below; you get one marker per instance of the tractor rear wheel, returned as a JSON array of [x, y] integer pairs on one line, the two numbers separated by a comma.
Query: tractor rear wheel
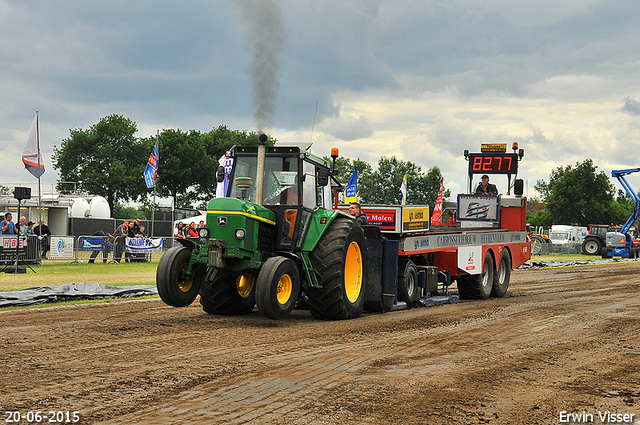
[[408, 289], [277, 287], [174, 289], [228, 294], [591, 246], [478, 286], [536, 244], [502, 276], [340, 260]]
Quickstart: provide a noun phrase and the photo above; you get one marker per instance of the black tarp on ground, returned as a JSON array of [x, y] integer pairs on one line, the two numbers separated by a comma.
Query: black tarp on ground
[[75, 291]]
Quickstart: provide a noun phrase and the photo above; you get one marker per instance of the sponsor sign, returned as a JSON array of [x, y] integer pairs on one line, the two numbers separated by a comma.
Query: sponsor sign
[[493, 147], [415, 218], [478, 207], [61, 247], [470, 259], [143, 245], [431, 242]]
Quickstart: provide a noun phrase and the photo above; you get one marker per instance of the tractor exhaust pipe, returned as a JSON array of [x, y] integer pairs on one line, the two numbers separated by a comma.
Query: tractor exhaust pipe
[[262, 150]]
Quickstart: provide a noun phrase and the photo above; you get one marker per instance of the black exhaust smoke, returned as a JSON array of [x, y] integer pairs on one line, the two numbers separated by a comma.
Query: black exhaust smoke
[[265, 39]]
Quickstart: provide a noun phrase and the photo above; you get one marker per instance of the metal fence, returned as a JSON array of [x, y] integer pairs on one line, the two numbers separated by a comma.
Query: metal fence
[[551, 248], [84, 248]]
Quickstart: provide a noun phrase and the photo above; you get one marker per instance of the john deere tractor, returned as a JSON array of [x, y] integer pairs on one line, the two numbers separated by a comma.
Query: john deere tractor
[[273, 241]]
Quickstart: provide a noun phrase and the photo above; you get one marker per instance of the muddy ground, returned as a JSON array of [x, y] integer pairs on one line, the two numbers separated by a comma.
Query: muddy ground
[[562, 340]]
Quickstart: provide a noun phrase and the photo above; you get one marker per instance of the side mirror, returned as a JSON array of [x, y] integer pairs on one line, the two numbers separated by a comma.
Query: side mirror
[[220, 174], [323, 177]]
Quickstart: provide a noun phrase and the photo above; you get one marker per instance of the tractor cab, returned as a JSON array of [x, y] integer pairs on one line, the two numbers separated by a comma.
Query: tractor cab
[[295, 184]]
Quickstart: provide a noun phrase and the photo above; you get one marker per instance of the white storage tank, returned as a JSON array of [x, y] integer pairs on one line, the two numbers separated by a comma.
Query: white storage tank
[[80, 208], [99, 208]]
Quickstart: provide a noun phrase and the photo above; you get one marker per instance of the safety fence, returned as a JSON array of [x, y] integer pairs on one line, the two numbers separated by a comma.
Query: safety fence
[[546, 248], [89, 248]]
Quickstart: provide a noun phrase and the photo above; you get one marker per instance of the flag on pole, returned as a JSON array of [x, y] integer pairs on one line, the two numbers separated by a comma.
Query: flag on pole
[[403, 189], [31, 156], [351, 191], [151, 170], [436, 218]]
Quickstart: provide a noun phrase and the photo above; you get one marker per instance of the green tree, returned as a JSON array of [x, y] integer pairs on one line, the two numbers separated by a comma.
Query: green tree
[[105, 160], [578, 195], [383, 185], [181, 162]]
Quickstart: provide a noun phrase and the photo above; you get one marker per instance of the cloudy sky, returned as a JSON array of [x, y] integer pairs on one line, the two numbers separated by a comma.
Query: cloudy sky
[[419, 80]]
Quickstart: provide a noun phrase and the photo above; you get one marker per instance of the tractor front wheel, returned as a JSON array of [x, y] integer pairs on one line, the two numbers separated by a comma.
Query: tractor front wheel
[[340, 260], [277, 287], [173, 287]]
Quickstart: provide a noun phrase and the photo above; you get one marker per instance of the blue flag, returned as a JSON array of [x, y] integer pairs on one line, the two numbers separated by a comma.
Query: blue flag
[[151, 170], [351, 191]]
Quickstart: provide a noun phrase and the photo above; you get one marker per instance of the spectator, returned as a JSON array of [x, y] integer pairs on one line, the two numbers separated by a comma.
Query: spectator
[[43, 232], [201, 224], [136, 226], [356, 211], [141, 233], [193, 230], [105, 247], [8, 227], [179, 231], [29, 231], [120, 234], [22, 226]]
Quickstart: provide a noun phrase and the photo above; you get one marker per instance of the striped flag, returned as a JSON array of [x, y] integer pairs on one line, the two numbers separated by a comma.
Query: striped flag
[[151, 170]]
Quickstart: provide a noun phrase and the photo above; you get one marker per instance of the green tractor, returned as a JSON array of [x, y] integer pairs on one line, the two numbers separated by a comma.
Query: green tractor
[[274, 242]]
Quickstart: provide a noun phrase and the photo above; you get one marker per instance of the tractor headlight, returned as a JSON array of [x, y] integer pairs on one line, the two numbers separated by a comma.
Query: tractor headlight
[[240, 233], [203, 233]]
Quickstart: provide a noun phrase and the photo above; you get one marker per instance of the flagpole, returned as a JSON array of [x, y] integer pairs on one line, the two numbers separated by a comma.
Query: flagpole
[[153, 206], [41, 215]]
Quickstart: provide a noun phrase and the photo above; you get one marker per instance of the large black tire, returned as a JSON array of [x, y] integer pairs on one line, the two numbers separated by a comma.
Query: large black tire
[[340, 261], [502, 276], [277, 287], [478, 286], [604, 252], [408, 289], [537, 242], [591, 246], [228, 294], [173, 288]]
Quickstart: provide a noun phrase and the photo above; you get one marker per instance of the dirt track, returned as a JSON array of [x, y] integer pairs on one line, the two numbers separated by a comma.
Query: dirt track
[[561, 340]]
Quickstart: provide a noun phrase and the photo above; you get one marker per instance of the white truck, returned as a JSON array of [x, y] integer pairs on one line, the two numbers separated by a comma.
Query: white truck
[[567, 238]]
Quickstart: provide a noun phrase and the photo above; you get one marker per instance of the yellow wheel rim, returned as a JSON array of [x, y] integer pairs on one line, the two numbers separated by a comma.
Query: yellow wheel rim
[[285, 287], [244, 284], [353, 272], [184, 285]]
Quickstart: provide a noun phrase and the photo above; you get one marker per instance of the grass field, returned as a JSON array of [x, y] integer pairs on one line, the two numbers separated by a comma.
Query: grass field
[[53, 273]]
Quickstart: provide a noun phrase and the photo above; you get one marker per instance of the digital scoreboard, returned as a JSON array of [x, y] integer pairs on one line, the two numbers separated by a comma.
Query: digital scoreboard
[[493, 163]]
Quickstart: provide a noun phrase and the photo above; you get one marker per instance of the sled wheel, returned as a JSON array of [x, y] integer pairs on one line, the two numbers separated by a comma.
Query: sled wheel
[[340, 260], [478, 285], [228, 294], [174, 289], [408, 289], [502, 276], [277, 287]]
